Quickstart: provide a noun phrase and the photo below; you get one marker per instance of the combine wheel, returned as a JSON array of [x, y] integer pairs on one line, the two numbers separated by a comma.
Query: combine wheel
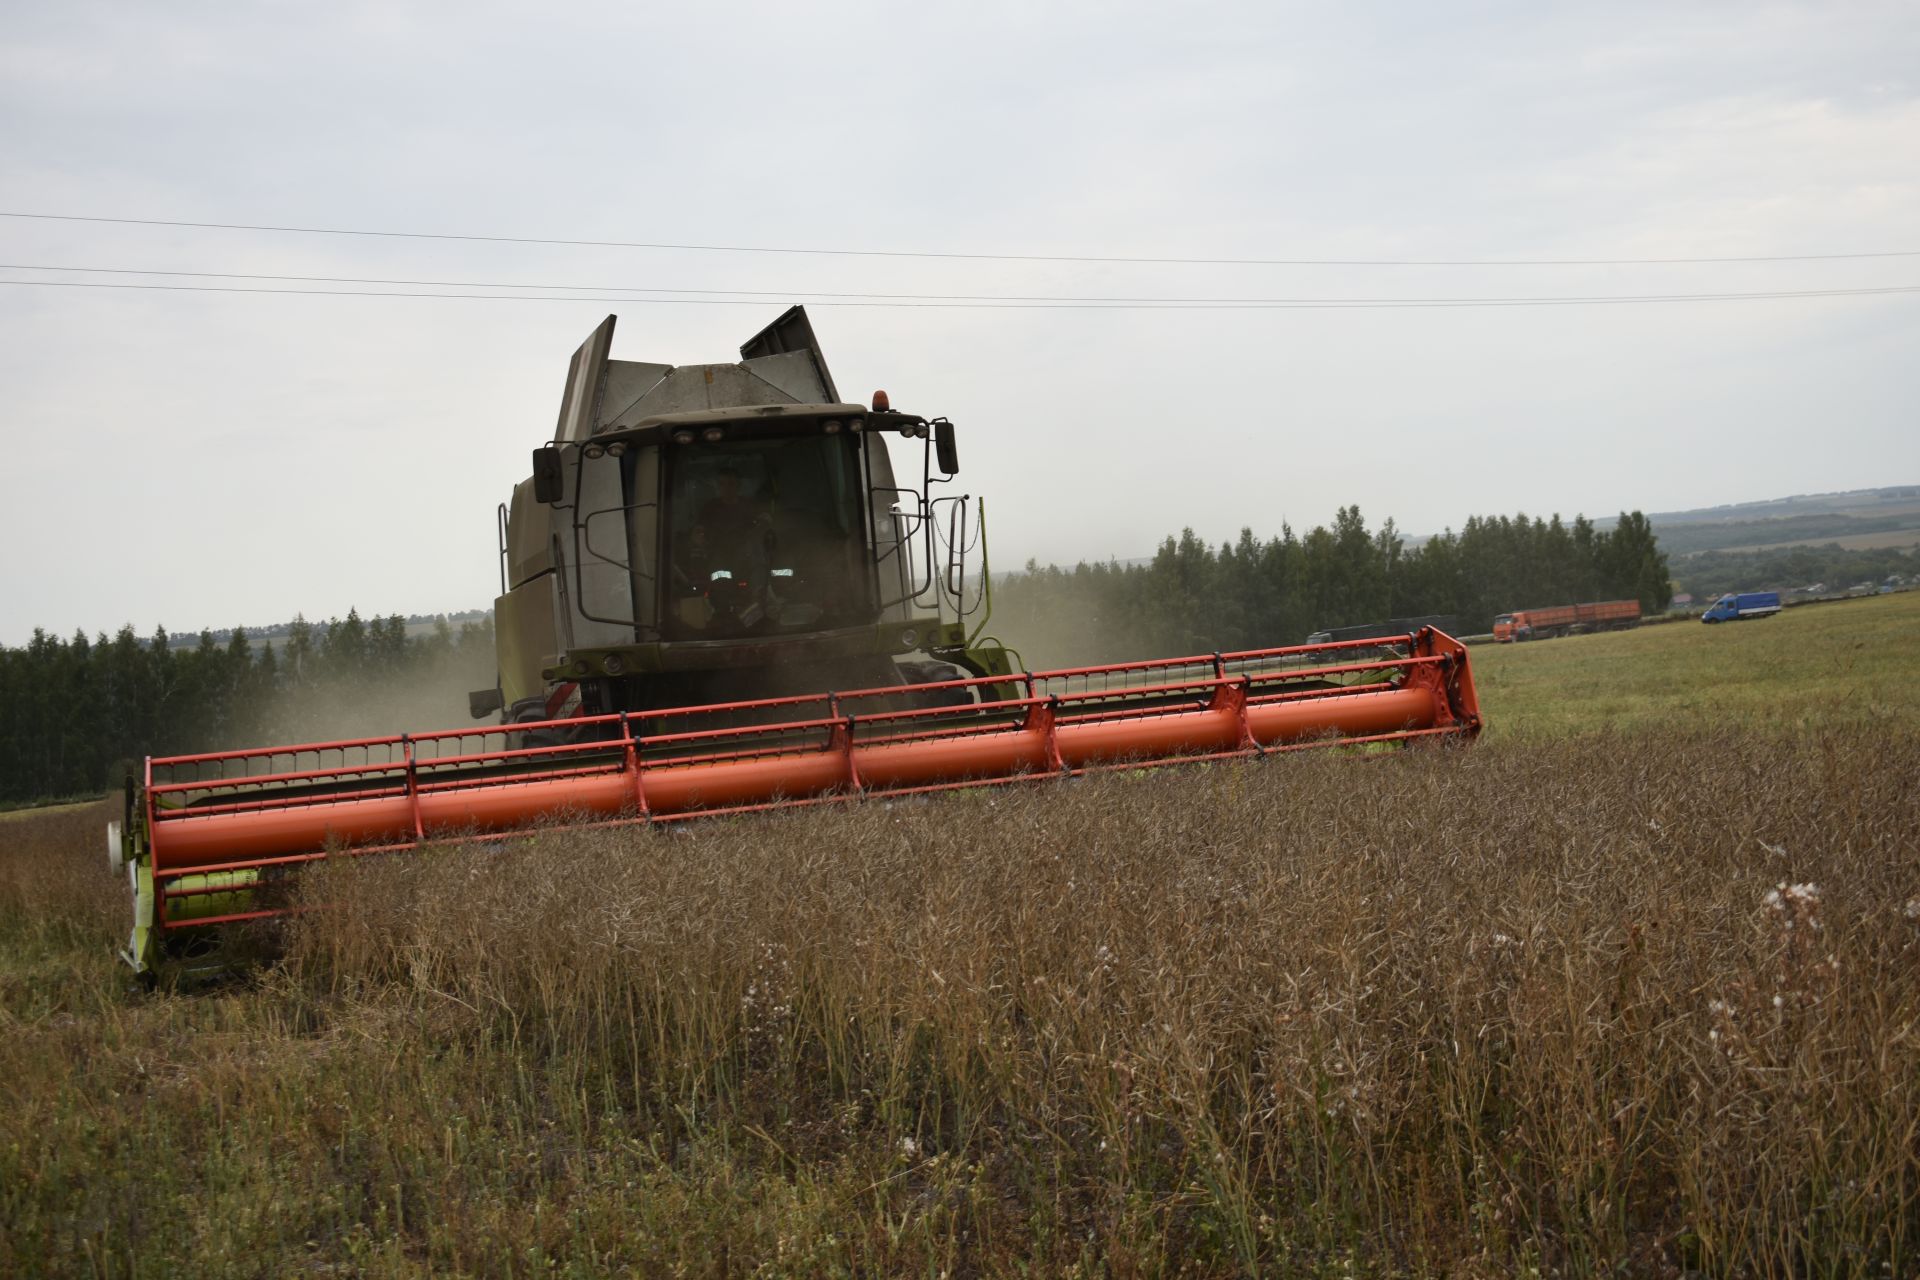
[[919, 673], [533, 711]]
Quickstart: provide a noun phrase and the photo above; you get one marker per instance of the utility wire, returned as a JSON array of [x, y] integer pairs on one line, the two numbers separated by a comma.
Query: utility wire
[[762, 295], [1269, 304], [968, 257]]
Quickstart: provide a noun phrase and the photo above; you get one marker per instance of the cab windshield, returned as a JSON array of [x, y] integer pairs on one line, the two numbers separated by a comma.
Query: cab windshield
[[764, 537]]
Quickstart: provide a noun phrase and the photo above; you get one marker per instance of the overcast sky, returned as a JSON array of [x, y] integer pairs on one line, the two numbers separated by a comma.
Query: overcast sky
[[207, 459]]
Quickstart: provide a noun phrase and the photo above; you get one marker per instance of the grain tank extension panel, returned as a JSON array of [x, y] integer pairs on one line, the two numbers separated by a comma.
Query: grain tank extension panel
[[782, 364]]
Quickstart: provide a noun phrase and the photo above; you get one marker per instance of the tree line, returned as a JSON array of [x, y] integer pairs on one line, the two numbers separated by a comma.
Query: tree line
[[1712, 573], [1193, 597], [76, 715]]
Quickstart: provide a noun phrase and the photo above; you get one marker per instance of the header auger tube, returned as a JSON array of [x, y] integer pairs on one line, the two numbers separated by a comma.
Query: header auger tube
[[214, 840]]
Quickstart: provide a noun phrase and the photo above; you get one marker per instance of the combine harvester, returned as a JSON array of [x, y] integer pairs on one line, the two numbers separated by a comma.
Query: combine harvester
[[719, 596]]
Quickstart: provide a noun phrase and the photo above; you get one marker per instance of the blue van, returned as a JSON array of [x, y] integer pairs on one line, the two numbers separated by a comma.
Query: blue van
[[1747, 604]]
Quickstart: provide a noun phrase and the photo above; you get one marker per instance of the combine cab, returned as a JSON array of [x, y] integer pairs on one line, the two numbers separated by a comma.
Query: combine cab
[[717, 597], [726, 533]]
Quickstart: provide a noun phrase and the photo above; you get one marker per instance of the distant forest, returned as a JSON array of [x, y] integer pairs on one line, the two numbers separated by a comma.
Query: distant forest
[[77, 714], [1193, 597], [1711, 573]]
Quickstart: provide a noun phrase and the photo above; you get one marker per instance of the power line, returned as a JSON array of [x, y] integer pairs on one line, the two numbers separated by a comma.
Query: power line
[[756, 294], [764, 295], [966, 257], [1269, 304]]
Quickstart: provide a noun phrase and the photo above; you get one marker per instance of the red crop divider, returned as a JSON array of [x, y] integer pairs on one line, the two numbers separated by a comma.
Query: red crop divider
[[1233, 695], [840, 742], [1045, 717], [1042, 716], [413, 789], [630, 760]]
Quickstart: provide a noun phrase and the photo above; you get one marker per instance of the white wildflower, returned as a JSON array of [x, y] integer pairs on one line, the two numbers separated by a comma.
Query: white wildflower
[[909, 1148], [1792, 900]]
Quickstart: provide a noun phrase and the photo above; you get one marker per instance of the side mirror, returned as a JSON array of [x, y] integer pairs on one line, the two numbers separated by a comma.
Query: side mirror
[[945, 451], [483, 702], [549, 477]]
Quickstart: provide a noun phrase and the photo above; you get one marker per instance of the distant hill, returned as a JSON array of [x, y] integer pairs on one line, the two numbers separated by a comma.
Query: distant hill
[[1857, 520], [1844, 502]]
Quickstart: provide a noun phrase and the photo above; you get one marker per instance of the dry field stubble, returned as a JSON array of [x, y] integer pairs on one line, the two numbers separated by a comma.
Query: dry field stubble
[[1531, 1005]]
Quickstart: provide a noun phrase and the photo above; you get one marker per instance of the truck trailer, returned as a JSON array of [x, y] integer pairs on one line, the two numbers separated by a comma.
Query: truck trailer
[[1566, 620]]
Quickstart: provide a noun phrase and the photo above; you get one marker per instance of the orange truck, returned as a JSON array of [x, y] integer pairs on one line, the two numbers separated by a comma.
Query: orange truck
[[1566, 620]]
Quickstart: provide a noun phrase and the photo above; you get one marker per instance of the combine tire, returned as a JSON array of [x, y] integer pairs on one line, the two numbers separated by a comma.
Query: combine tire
[[919, 673]]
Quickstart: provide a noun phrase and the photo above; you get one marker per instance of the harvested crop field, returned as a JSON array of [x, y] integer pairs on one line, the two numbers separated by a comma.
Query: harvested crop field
[[1633, 1002]]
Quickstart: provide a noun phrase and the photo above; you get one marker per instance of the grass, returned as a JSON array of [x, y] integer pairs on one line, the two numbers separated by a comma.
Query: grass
[[1536, 1006], [1847, 662]]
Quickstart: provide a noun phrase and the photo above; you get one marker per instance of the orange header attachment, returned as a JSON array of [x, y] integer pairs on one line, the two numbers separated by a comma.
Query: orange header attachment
[[273, 809]]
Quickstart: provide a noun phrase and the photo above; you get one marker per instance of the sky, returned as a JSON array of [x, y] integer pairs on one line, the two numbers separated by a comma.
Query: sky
[[195, 458]]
